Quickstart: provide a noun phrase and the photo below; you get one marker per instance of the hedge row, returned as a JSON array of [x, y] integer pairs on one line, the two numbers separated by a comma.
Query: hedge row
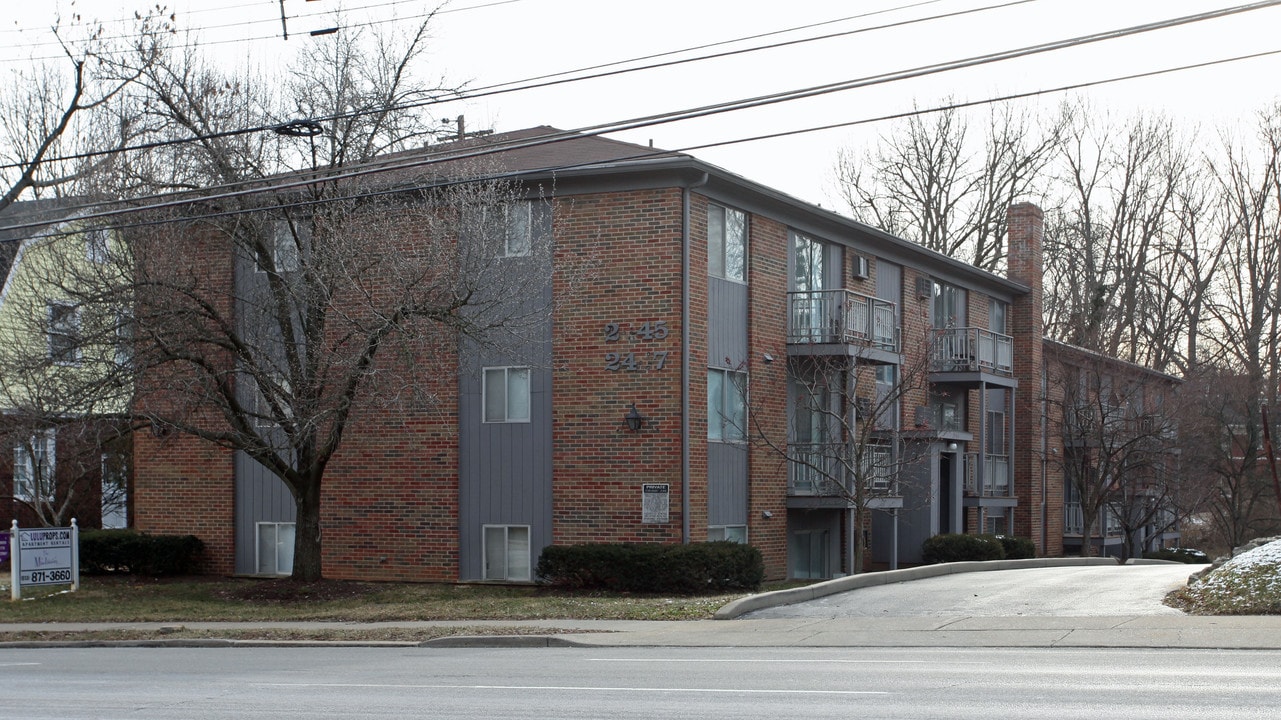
[[956, 547], [653, 568], [132, 552]]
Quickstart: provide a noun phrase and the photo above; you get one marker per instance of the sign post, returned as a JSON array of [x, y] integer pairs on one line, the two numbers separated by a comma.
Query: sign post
[[44, 556]]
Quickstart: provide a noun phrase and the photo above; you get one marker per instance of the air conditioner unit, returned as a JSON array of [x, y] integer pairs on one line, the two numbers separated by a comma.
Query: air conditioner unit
[[924, 288], [862, 268]]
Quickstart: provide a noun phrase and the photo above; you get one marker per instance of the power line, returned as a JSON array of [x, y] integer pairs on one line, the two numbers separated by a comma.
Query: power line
[[513, 86], [272, 20], [571, 135], [258, 186]]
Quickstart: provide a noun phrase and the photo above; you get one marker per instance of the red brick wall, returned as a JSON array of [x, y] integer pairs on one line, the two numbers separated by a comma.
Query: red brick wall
[[618, 260], [767, 331]]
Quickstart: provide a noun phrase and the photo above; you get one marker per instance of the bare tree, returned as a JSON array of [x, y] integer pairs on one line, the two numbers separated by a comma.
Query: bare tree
[[930, 181], [57, 118], [1118, 246], [266, 322]]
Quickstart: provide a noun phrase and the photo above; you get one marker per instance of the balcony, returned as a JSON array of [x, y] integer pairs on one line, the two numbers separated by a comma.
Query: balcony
[[971, 351], [842, 317], [819, 475], [992, 481]]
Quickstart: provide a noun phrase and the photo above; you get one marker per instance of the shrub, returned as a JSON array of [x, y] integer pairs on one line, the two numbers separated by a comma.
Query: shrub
[[1183, 555], [957, 547], [653, 568], [132, 552], [1017, 548]]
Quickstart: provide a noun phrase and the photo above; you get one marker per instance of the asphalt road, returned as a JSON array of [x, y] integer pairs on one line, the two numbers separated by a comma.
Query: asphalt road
[[625, 683], [1040, 592]]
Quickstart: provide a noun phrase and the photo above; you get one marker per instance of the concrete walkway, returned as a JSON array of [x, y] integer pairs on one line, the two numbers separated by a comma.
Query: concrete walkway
[[1175, 630]]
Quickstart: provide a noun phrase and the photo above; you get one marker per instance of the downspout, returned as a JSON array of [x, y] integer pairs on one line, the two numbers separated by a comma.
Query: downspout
[[685, 345]]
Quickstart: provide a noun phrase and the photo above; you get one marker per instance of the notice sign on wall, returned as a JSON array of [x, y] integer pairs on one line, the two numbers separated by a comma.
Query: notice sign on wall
[[655, 499]]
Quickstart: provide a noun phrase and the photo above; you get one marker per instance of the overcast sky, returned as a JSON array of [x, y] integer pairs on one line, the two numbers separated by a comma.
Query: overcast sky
[[487, 42]]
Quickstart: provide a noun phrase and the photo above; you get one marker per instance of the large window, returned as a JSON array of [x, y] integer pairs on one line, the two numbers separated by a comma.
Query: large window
[[727, 243], [506, 395], [275, 548], [64, 332], [518, 229], [949, 306], [726, 405], [810, 266], [507, 552], [998, 316], [33, 468], [283, 245]]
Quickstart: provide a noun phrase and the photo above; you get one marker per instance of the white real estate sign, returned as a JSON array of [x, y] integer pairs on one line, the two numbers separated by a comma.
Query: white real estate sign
[[44, 556]]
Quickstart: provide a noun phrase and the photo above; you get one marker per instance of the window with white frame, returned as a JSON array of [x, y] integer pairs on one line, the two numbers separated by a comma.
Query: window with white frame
[[275, 548], [506, 551], [506, 395], [726, 405], [727, 243], [63, 332], [33, 467], [96, 245], [730, 533], [949, 309], [998, 316], [283, 245]]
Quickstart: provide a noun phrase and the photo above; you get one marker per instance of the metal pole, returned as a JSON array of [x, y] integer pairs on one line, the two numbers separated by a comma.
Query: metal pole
[[15, 589]]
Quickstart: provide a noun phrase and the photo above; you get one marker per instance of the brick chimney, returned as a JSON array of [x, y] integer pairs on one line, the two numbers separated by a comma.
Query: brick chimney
[[1039, 516]]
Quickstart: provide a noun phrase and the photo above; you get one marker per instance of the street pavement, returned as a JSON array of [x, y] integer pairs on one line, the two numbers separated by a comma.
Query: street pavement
[[813, 617]]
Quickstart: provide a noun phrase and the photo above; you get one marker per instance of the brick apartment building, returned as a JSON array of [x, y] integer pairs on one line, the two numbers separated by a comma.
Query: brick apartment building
[[638, 414]]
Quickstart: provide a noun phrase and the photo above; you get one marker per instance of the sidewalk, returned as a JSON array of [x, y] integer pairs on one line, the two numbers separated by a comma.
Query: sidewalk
[[1134, 631], [732, 630]]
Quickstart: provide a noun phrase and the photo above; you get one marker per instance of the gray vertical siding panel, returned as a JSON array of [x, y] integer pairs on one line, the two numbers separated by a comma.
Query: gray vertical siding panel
[[727, 484], [727, 329], [505, 469], [889, 283], [727, 466]]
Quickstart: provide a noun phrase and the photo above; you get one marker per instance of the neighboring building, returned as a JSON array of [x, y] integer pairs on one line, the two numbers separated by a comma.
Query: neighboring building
[[61, 459], [1112, 437], [638, 416]]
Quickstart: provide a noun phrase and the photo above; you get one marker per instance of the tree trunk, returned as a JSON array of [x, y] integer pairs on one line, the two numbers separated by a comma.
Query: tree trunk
[[307, 566]]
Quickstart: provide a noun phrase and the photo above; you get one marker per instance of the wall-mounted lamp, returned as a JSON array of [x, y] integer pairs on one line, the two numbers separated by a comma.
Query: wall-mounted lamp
[[768, 358], [951, 447], [767, 514], [633, 420]]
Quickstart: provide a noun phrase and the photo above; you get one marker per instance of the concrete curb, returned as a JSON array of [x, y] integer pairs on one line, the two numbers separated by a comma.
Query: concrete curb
[[742, 606]]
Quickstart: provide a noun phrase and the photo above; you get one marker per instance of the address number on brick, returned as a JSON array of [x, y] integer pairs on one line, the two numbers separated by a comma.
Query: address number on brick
[[636, 362]]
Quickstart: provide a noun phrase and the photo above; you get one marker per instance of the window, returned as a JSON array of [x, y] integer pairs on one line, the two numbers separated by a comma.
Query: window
[[115, 491], [731, 533], [998, 316], [506, 395], [886, 397], [64, 332], [949, 408], [284, 249], [949, 305], [726, 405], [124, 341], [33, 468], [996, 433], [96, 245], [518, 229], [726, 243], [275, 548], [810, 271], [507, 552]]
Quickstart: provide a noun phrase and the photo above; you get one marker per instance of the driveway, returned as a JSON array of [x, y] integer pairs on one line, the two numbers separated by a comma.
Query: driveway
[[1036, 592]]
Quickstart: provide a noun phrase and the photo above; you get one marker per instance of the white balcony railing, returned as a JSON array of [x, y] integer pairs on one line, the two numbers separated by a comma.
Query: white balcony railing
[[827, 469], [972, 350], [842, 316], [993, 481]]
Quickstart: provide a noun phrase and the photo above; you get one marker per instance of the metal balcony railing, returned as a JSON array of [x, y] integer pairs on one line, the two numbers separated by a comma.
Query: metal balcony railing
[[826, 470], [993, 481], [1073, 519], [842, 316], [972, 350]]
